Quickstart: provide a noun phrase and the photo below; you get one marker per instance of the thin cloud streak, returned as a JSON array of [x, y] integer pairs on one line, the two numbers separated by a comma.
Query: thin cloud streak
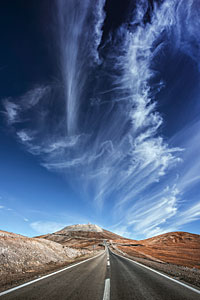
[[44, 227], [11, 111]]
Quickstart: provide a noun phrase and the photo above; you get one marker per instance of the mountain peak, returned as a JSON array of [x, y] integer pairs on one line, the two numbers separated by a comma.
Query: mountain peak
[[83, 227]]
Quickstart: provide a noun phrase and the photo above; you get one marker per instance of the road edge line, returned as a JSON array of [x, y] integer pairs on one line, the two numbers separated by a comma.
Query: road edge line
[[46, 276], [155, 271]]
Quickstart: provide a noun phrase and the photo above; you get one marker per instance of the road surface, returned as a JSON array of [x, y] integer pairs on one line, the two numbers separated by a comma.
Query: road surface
[[131, 281], [106, 277]]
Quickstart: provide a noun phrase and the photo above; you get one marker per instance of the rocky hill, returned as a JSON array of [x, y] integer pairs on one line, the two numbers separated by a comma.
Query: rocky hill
[[22, 257], [86, 236]]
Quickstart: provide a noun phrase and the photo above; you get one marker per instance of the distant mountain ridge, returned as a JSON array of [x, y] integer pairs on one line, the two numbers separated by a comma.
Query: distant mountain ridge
[[81, 236]]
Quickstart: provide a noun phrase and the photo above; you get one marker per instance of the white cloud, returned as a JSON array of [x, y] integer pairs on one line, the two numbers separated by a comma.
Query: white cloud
[[11, 111], [44, 227], [14, 110], [149, 218], [192, 213], [33, 97], [122, 230], [64, 165], [98, 24], [24, 136]]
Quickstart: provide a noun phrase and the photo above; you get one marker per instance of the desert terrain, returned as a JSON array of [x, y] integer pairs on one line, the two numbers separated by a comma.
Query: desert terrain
[[23, 258], [174, 253]]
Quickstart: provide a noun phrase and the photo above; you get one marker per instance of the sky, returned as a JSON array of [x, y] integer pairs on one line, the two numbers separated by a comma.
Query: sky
[[99, 115]]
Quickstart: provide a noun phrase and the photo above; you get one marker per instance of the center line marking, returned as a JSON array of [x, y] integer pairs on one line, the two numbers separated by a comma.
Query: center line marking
[[106, 295], [108, 263]]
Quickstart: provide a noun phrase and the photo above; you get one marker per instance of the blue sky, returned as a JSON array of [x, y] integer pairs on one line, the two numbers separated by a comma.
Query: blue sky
[[100, 116]]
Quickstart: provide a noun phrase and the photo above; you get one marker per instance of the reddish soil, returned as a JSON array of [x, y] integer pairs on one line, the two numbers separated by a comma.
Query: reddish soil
[[82, 239], [180, 248]]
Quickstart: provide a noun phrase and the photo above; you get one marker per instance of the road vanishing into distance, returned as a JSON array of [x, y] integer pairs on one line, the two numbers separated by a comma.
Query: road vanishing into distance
[[107, 276]]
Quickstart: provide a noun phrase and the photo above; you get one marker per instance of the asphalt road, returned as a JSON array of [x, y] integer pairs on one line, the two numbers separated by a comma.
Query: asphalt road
[[130, 281], [105, 278], [84, 282]]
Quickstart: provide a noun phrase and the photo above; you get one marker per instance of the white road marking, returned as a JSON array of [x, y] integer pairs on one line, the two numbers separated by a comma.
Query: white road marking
[[179, 282], [106, 295], [107, 254], [108, 263], [46, 276]]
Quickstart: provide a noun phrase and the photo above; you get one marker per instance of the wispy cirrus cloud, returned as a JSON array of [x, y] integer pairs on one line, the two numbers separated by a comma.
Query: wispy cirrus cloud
[[189, 215], [44, 227], [112, 146], [11, 111], [24, 136], [151, 220]]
